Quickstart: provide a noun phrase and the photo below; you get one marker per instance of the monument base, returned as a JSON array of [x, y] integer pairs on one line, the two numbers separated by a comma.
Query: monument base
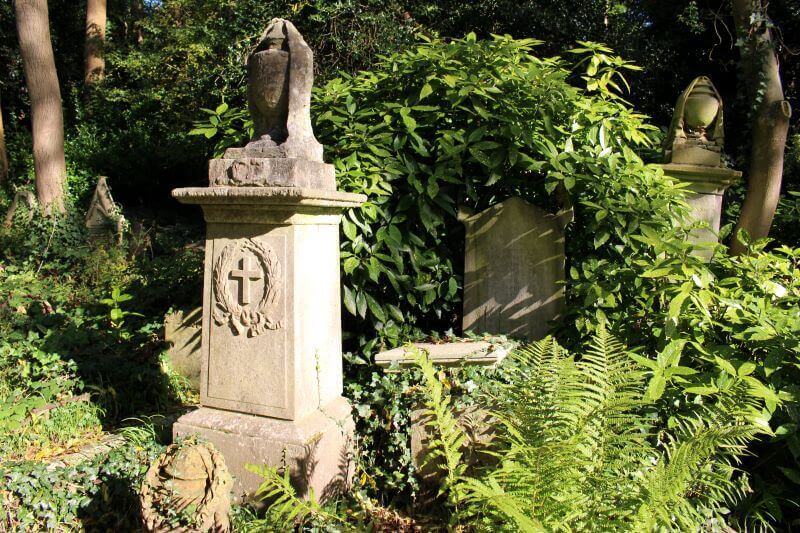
[[705, 187], [317, 449]]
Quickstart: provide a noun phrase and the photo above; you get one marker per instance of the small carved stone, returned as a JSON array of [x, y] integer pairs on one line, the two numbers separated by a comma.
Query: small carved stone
[[104, 218], [21, 198], [187, 489], [696, 135]]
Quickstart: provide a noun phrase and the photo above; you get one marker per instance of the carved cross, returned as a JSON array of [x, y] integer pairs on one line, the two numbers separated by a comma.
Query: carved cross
[[245, 275]]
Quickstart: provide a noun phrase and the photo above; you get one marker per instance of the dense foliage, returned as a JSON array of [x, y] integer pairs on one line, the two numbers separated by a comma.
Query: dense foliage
[[469, 123], [578, 446], [425, 129]]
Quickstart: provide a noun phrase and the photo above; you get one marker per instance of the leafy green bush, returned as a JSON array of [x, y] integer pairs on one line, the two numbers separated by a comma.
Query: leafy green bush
[[471, 122]]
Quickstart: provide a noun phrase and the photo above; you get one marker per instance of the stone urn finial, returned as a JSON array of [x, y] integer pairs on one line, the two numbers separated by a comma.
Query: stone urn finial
[[696, 135], [693, 157], [283, 151], [280, 74]]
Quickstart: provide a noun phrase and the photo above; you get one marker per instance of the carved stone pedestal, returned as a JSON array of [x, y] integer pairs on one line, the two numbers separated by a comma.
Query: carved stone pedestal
[[271, 380], [706, 188]]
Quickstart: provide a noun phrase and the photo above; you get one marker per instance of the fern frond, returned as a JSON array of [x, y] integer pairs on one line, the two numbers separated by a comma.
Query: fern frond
[[286, 510], [446, 436]]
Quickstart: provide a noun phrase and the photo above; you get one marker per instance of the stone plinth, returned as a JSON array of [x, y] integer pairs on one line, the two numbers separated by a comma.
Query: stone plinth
[[513, 269], [706, 187], [271, 379]]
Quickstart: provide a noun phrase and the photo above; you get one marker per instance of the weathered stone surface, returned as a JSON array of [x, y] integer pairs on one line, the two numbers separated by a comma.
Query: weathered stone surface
[[104, 218], [280, 74], [513, 269], [271, 377], [25, 199], [458, 353], [188, 479], [706, 188], [233, 170], [317, 448], [478, 426], [696, 135], [692, 153], [182, 331]]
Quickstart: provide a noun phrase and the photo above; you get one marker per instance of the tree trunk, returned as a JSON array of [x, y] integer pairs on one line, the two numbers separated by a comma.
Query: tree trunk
[[138, 15], [95, 41], [3, 152], [770, 124], [39, 65]]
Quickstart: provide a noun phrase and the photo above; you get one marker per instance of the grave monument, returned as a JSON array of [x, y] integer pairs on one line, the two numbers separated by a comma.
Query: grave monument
[[271, 377], [104, 220], [513, 269], [693, 156]]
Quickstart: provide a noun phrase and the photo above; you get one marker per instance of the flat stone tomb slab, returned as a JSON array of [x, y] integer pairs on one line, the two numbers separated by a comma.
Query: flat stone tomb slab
[[483, 353]]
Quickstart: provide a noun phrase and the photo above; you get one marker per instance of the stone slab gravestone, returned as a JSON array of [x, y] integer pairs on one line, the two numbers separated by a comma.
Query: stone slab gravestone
[[182, 331], [22, 200], [513, 269], [271, 377]]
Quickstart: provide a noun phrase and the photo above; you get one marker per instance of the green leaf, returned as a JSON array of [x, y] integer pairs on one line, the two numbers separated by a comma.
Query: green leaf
[[375, 308], [745, 369], [349, 229], [350, 264], [349, 300], [426, 90], [656, 387]]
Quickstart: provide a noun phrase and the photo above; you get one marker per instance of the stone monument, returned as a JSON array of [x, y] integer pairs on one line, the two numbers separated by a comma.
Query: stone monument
[[271, 378], [693, 156], [104, 219], [513, 269]]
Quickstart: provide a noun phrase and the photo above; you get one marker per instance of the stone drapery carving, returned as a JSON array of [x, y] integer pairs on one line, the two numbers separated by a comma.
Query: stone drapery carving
[[240, 312], [188, 488], [280, 74], [696, 134], [283, 151]]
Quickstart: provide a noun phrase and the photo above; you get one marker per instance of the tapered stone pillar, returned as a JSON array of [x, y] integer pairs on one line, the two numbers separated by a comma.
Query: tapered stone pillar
[[271, 379]]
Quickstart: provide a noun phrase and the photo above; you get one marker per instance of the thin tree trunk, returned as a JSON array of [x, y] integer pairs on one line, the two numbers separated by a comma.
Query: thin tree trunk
[[3, 152], [39, 65], [95, 41], [138, 15], [770, 124]]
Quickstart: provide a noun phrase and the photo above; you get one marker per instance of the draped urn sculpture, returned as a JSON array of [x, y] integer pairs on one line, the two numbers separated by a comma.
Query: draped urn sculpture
[[696, 135], [271, 378], [693, 152]]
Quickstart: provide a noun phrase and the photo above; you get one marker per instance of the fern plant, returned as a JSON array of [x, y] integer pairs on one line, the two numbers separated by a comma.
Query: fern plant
[[581, 448]]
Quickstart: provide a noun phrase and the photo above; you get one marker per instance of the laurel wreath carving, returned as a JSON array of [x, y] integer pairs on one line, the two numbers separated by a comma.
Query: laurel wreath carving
[[253, 319]]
